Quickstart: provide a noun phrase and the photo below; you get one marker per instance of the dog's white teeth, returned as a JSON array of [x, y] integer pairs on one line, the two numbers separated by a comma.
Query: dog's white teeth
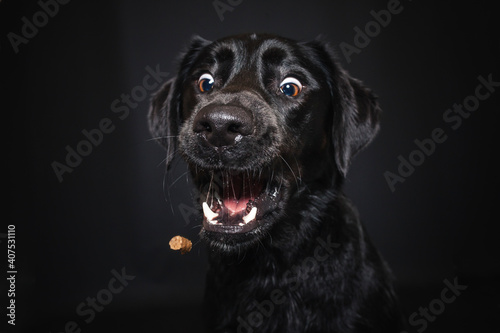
[[250, 216], [209, 214]]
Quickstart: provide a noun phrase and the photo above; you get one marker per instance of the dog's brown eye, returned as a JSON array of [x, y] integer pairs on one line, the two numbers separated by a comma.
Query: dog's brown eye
[[205, 82], [290, 87]]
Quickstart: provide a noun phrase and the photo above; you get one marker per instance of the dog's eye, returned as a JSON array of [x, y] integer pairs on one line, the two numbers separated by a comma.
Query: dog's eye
[[290, 86], [205, 82]]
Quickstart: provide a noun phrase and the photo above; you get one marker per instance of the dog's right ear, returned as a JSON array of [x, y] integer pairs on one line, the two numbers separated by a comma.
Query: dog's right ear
[[162, 119], [165, 112]]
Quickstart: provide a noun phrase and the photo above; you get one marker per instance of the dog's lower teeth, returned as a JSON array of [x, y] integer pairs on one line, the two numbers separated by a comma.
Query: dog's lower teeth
[[249, 206], [250, 216], [209, 214]]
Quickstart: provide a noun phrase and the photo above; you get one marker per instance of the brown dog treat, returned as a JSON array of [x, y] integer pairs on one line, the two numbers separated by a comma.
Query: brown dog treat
[[180, 243]]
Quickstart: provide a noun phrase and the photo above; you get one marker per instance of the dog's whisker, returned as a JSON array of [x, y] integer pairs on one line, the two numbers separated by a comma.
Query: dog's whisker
[[169, 156], [250, 183], [163, 161], [291, 170], [271, 178], [282, 178], [210, 189], [298, 169], [232, 186], [166, 195], [197, 226], [180, 177], [156, 138]]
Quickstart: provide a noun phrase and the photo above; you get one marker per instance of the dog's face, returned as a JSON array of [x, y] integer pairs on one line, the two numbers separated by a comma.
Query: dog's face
[[260, 120]]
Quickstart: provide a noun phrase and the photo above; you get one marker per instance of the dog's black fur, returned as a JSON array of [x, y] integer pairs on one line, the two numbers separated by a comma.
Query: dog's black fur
[[305, 263]]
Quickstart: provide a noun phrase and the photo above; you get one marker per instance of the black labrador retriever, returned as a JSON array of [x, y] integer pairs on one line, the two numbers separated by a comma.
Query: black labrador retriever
[[268, 126]]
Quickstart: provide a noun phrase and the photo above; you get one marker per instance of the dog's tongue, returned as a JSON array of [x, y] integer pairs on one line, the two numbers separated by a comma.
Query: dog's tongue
[[236, 205], [238, 191]]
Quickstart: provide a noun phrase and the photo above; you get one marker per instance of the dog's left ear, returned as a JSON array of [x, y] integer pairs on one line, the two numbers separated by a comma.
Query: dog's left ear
[[356, 118], [356, 111]]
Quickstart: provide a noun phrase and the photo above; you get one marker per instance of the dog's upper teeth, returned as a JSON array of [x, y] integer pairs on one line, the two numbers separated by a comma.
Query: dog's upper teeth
[[209, 214], [250, 216]]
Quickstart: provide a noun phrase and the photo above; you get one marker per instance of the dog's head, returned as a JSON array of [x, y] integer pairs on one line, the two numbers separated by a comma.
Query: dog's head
[[260, 119]]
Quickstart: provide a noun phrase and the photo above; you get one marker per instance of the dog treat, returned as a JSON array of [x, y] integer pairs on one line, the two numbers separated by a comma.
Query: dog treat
[[180, 243]]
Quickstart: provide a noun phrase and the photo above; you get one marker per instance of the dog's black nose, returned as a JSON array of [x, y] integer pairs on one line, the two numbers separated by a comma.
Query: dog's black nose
[[223, 125]]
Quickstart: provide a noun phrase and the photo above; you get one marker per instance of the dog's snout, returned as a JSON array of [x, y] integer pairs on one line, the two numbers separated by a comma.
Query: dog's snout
[[223, 125]]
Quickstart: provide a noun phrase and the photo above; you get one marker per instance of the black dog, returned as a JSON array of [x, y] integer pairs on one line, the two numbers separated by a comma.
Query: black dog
[[268, 127]]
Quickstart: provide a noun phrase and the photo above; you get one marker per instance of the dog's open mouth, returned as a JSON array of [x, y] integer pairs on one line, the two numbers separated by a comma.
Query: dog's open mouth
[[236, 202]]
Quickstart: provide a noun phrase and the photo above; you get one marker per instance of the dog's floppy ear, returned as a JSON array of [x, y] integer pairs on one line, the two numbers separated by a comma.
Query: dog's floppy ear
[[356, 111], [165, 112], [163, 120], [355, 120]]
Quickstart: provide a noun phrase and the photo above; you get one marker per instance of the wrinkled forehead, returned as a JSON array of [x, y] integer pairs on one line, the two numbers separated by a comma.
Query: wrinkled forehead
[[256, 54]]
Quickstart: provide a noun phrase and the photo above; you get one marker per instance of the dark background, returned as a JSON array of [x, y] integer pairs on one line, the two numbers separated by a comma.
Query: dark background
[[117, 209]]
